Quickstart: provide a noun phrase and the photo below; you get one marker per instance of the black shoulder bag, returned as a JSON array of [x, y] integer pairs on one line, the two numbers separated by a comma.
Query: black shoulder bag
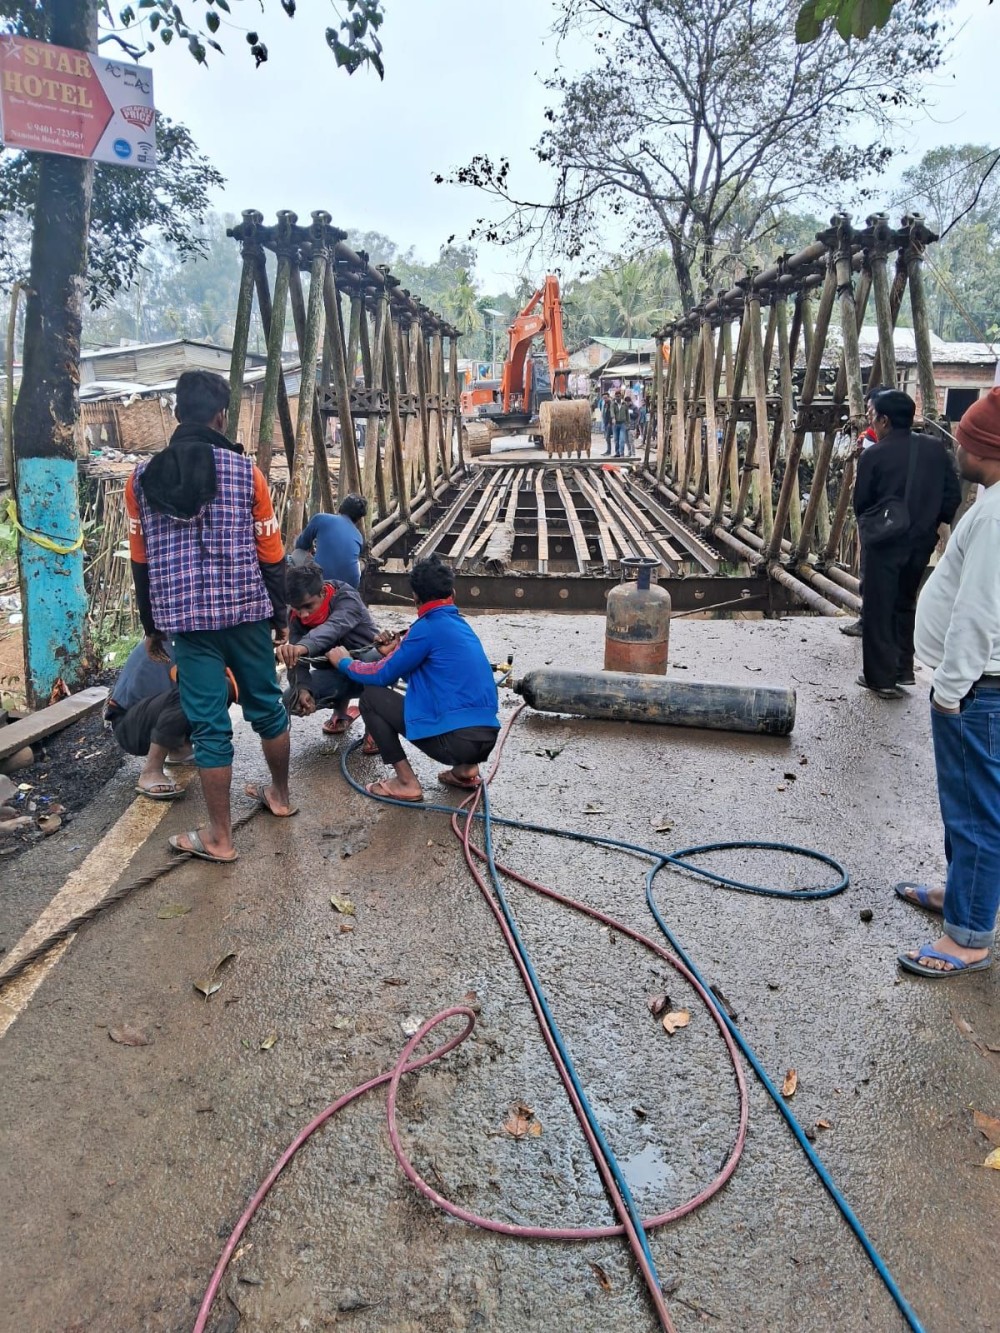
[[890, 520]]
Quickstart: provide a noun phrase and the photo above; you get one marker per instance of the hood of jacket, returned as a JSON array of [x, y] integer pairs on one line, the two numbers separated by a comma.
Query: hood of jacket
[[180, 481]]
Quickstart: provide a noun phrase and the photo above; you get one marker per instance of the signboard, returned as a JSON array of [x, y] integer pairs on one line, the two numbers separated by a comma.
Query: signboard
[[57, 100]]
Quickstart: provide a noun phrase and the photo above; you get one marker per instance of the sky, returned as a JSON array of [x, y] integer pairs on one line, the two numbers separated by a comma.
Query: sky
[[462, 77]]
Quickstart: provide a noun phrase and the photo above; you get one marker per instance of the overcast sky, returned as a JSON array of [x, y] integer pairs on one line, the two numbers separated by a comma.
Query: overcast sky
[[462, 77]]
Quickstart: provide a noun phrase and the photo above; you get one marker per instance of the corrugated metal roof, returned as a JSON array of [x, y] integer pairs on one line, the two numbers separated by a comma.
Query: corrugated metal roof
[[152, 363]]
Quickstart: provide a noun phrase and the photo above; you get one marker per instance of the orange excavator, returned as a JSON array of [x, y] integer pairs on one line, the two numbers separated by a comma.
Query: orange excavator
[[527, 382]]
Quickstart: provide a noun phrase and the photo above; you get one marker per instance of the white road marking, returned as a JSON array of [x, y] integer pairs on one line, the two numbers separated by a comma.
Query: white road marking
[[84, 889]]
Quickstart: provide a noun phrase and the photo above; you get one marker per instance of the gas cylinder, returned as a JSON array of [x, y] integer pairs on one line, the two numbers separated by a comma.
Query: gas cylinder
[[637, 635], [619, 696]]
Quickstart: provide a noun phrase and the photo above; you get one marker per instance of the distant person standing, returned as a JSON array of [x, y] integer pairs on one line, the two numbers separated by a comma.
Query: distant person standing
[[337, 540], [209, 570], [864, 441], [906, 487], [608, 422], [623, 444], [958, 634]]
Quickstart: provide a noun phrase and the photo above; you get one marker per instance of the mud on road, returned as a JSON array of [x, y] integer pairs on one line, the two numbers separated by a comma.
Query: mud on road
[[124, 1167]]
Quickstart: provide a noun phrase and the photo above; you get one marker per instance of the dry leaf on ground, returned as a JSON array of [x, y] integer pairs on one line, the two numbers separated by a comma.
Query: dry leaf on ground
[[213, 981], [342, 905], [521, 1122], [126, 1036], [675, 1020], [993, 1160], [790, 1084], [269, 1041], [987, 1125], [601, 1276], [824, 1124], [171, 910]]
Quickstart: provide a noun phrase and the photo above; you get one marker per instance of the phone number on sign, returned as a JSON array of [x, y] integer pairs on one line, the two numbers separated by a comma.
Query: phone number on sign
[[56, 131]]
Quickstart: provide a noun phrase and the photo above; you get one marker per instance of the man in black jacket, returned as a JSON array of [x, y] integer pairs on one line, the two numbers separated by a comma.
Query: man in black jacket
[[324, 615], [894, 568]]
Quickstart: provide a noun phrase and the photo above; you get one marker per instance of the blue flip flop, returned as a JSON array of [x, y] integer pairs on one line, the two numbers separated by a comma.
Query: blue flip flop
[[935, 974], [917, 895]]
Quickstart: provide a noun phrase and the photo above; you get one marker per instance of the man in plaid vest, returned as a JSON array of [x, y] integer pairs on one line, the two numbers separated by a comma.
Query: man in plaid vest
[[209, 570]]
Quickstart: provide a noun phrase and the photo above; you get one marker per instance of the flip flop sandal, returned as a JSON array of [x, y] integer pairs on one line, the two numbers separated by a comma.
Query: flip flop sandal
[[448, 779], [369, 746], [187, 759], [372, 788], [256, 791], [917, 895], [198, 848], [936, 974], [161, 791], [336, 726]]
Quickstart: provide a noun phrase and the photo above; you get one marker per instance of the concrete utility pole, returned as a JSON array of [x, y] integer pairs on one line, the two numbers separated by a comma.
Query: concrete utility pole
[[50, 543]]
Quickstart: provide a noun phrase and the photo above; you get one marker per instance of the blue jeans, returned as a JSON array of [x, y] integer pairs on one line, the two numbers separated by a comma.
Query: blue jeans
[[622, 445], [967, 756]]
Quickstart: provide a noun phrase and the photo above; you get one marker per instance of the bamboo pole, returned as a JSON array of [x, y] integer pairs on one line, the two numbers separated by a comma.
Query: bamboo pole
[[692, 426], [454, 400], [273, 315], [663, 420], [309, 404], [657, 390], [437, 388], [349, 466], [395, 422], [921, 321], [423, 416], [792, 504], [760, 411], [678, 423], [815, 336], [250, 251], [373, 485], [729, 462], [313, 335]]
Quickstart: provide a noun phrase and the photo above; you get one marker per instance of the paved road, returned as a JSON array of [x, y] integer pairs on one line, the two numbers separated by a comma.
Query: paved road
[[123, 1168]]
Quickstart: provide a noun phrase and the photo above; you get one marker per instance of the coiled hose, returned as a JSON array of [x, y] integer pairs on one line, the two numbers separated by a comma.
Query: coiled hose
[[476, 810]]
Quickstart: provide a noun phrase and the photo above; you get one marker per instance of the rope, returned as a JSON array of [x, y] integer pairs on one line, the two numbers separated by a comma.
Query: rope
[[119, 895], [39, 538]]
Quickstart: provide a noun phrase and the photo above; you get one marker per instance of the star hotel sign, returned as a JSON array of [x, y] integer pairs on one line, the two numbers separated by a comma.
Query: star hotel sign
[[57, 100]]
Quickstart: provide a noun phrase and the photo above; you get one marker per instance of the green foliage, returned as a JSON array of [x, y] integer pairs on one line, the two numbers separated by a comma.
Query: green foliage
[[138, 26], [850, 18]]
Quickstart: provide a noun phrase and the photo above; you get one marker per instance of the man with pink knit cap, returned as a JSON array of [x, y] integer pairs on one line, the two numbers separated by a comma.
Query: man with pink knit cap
[[958, 634]]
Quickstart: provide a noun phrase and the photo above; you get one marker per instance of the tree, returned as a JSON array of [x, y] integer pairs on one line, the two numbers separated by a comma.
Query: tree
[[958, 190], [694, 110], [45, 413]]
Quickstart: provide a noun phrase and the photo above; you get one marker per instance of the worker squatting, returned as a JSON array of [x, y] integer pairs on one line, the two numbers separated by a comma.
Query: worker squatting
[[210, 573]]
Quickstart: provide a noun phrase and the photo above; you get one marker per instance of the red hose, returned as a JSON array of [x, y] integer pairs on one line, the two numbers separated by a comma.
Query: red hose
[[406, 1065]]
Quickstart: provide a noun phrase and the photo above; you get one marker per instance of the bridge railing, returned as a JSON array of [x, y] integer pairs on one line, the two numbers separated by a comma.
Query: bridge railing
[[369, 354], [761, 389]]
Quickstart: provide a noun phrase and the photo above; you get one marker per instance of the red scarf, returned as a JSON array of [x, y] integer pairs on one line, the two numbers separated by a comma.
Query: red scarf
[[433, 606], [322, 612]]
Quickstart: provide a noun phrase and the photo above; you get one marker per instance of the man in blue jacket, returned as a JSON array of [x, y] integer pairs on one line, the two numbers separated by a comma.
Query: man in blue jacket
[[450, 707]]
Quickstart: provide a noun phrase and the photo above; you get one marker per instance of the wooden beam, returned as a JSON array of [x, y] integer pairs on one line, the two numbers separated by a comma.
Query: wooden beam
[[16, 735], [575, 526]]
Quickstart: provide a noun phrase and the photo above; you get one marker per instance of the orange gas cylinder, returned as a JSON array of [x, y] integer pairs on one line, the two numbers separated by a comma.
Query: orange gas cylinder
[[637, 635]]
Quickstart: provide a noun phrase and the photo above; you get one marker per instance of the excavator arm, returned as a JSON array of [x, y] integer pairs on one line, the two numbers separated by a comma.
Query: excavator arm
[[515, 384]]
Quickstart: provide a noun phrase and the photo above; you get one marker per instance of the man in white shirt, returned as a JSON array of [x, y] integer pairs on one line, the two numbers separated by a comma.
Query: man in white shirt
[[958, 634]]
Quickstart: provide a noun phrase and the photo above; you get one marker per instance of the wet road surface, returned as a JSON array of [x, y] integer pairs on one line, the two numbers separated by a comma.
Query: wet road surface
[[124, 1168]]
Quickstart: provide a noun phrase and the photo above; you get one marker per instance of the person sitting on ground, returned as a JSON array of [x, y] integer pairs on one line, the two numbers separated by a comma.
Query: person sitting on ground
[[323, 616], [337, 540], [450, 707], [145, 714]]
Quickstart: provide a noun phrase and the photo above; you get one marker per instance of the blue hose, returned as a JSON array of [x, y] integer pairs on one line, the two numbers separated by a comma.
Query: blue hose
[[678, 860]]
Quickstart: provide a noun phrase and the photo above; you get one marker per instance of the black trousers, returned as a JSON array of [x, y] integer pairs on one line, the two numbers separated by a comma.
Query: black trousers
[[328, 686], [382, 710], [892, 580], [158, 720]]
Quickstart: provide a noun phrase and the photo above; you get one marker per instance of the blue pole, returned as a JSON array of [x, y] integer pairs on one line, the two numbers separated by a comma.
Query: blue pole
[[52, 591]]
